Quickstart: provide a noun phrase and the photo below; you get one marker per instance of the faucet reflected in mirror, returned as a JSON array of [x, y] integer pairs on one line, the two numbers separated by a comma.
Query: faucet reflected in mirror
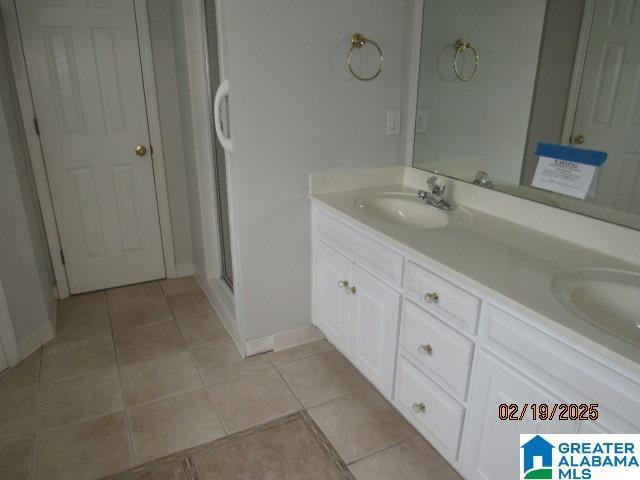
[[569, 77]]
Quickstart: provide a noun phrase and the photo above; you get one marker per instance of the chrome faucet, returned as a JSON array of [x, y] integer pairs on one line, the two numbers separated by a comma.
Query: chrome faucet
[[434, 197], [482, 179]]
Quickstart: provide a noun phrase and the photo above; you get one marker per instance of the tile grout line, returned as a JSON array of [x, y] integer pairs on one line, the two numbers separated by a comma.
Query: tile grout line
[[132, 449], [295, 394], [32, 472], [384, 449], [206, 389], [77, 376], [195, 365]]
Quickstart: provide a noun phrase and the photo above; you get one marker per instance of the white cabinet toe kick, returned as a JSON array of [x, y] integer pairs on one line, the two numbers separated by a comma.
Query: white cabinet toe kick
[[453, 360]]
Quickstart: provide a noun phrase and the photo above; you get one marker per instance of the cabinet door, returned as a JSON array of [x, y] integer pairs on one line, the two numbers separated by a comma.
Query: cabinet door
[[331, 301], [491, 447], [375, 308]]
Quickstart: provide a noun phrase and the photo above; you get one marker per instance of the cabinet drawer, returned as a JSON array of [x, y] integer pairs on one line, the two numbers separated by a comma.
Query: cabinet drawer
[[446, 300], [434, 413], [440, 350], [365, 251]]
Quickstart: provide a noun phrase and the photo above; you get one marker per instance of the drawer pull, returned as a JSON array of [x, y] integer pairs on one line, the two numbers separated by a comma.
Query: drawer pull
[[428, 349], [431, 297], [343, 284], [419, 407]]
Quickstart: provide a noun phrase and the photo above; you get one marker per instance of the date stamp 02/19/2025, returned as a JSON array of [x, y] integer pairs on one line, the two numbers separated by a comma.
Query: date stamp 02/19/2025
[[548, 412]]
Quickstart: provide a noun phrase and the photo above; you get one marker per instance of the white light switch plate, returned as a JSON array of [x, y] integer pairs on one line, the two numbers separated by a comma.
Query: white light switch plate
[[422, 117], [393, 122]]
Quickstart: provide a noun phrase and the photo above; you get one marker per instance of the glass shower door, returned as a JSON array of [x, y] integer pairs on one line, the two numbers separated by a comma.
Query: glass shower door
[[219, 153]]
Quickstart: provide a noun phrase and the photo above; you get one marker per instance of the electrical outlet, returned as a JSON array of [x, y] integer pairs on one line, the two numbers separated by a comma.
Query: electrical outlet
[[393, 122], [422, 117]]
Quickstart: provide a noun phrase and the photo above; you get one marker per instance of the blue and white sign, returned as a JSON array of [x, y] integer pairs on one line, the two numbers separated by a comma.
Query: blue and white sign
[[580, 457], [566, 170]]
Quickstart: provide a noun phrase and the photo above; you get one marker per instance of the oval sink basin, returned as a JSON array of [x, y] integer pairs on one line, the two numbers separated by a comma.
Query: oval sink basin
[[608, 299], [404, 209]]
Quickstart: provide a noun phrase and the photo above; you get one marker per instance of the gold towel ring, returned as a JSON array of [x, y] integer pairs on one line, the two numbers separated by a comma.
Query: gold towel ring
[[460, 47], [358, 41]]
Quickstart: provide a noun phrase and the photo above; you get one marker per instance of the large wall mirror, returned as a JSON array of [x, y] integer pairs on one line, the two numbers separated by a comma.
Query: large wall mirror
[[559, 72]]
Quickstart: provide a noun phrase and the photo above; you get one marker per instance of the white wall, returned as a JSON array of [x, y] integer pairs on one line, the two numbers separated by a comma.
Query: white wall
[[25, 266], [480, 124], [295, 109], [171, 125]]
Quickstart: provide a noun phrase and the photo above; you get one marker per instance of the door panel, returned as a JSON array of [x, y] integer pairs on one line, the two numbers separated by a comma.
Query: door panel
[[490, 447], [375, 310], [608, 110], [85, 75], [331, 302]]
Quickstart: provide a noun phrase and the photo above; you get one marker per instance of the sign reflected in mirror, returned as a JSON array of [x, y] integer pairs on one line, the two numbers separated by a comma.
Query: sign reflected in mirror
[[536, 78]]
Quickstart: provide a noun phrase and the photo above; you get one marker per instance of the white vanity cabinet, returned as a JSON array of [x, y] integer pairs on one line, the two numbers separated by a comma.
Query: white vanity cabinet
[[375, 312], [491, 446], [357, 311], [447, 355], [331, 313]]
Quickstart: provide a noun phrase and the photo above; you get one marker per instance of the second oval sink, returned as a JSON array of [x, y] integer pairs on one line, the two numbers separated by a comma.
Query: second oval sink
[[608, 299], [404, 209]]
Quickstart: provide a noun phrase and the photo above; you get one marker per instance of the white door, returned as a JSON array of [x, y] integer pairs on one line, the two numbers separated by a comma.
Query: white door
[[490, 446], [331, 300], [375, 311], [608, 111], [85, 75]]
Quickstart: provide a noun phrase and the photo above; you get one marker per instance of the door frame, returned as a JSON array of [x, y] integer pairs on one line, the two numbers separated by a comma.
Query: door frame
[[27, 109], [578, 68]]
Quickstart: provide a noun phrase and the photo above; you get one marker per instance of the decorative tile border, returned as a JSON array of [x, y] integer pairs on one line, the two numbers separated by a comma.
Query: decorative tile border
[[184, 457]]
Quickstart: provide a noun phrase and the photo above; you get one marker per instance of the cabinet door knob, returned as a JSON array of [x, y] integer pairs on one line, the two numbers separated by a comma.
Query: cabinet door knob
[[343, 284], [428, 349], [351, 290], [431, 297], [419, 407], [579, 139]]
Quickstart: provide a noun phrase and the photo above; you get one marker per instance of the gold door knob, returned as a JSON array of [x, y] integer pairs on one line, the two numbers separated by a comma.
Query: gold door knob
[[343, 284], [428, 349], [141, 150], [579, 139], [431, 297], [419, 407]]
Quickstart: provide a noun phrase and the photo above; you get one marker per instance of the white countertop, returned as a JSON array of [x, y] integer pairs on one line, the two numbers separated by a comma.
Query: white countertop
[[508, 262]]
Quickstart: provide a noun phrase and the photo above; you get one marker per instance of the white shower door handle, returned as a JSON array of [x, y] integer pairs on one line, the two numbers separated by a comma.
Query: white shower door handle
[[222, 92]]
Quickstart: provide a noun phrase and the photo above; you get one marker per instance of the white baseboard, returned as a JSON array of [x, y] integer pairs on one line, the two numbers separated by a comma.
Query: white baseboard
[[184, 270], [36, 339], [258, 346], [283, 340]]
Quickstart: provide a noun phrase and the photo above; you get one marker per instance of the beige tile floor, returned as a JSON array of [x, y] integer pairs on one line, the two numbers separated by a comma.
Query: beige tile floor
[[140, 372]]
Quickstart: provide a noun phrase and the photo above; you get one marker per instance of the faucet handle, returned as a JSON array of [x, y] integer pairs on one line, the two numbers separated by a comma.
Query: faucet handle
[[435, 185]]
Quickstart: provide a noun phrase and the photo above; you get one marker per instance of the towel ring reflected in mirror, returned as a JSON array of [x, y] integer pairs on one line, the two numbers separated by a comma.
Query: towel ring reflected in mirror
[[460, 47], [358, 41]]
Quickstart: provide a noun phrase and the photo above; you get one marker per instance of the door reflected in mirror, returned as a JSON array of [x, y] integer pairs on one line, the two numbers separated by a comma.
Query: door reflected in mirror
[[500, 77]]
